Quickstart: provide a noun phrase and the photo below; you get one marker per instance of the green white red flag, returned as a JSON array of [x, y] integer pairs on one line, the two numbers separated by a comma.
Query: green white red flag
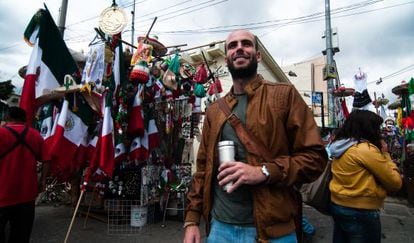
[[49, 62], [107, 153], [70, 131]]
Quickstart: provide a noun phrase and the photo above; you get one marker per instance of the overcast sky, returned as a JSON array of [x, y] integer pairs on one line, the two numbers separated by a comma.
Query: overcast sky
[[376, 36]]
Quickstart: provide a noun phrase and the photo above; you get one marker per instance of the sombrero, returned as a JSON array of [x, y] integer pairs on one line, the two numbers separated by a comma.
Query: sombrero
[[400, 89], [380, 101], [394, 105], [343, 92], [48, 97], [159, 48], [94, 99]]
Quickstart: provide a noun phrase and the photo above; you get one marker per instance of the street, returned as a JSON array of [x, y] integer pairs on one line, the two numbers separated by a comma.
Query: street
[[51, 225]]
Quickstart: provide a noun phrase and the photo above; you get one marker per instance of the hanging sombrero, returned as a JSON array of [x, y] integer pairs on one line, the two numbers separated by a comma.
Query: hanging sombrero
[[159, 48], [94, 99], [379, 102], [343, 92], [400, 89], [48, 97], [395, 105]]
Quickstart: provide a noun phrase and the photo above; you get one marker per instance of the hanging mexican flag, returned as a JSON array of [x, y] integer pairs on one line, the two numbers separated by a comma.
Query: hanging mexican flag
[[136, 151], [120, 152], [49, 62], [68, 136], [107, 153], [153, 135], [136, 116]]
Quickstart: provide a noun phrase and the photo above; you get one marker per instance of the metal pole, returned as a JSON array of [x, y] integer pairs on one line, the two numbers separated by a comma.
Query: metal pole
[[329, 61], [133, 27], [62, 17], [322, 112]]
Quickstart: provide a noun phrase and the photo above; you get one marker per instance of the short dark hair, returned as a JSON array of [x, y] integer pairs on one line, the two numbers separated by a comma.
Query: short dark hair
[[15, 113], [362, 125]]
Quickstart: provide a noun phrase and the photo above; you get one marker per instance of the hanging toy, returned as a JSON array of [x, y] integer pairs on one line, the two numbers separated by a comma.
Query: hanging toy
[[201, 74], [140, 73], [143, 53], [140, 60]]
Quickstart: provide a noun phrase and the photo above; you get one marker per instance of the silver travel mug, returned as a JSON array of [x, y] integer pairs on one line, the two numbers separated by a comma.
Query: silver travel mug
[[226, 152]]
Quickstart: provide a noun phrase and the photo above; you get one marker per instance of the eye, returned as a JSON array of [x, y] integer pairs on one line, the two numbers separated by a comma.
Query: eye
[[247, 43], [231, 45]]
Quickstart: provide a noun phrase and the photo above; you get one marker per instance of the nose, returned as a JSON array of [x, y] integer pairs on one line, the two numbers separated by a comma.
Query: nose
[[239, 45]]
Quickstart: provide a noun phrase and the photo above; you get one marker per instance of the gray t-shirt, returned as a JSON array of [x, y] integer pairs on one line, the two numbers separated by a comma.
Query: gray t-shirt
[[235, 207]]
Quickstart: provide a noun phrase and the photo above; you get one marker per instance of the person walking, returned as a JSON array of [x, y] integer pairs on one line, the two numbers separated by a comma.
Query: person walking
[[20, 149], [260, 204], [362, 174]]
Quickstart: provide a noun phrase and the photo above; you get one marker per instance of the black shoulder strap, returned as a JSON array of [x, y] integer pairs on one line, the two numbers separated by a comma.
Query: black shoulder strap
[[19, 140]]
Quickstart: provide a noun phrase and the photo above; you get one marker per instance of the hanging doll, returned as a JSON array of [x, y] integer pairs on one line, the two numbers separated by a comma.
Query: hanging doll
[[362, 100], [140, 60]]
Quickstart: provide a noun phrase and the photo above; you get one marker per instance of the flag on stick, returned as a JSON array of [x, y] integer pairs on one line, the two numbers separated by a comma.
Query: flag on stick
[[49, 62]]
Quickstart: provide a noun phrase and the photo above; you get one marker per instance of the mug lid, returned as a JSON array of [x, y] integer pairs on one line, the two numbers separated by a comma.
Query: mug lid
[[226, 143]]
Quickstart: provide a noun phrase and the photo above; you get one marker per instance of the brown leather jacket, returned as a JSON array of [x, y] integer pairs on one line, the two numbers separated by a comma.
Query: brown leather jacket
[[278, 116]]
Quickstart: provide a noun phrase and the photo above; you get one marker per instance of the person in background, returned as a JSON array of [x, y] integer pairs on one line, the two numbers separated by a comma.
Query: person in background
[[20, 149], [261, 204], [362, 174]]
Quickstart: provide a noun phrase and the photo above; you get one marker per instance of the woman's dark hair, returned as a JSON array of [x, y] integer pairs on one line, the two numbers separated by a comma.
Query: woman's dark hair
[[362, 125]]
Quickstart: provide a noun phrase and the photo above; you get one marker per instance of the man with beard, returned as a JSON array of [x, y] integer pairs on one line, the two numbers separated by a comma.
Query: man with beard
[[260, 204]]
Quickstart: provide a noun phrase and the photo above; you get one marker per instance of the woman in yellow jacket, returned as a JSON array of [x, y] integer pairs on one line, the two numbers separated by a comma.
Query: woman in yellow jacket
[[362, 174]]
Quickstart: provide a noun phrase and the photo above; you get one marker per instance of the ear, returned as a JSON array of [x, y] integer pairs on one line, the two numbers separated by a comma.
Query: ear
[[258, 56]]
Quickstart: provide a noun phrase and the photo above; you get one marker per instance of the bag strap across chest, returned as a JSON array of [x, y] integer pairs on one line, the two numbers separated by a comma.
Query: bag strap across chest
[[250, 142], [20, 139]]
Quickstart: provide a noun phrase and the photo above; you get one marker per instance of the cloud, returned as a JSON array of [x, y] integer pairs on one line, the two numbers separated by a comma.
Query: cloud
[[378, 38]]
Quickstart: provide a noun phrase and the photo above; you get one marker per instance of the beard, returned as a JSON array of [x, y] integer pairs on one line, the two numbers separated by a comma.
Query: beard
[[245, 72]]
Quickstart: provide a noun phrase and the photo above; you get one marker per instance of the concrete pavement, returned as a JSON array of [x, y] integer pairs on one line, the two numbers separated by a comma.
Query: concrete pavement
[[51, 224]]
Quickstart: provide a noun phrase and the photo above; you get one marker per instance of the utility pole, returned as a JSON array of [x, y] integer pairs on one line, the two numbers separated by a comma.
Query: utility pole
[[62, 17], [330, 69], [133, 27]]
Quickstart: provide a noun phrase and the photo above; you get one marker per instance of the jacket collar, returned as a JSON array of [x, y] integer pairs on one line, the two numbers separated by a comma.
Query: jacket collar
[[250, 88]]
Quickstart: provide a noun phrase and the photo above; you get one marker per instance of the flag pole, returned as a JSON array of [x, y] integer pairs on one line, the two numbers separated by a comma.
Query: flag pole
[[74, 215], [89, 207]]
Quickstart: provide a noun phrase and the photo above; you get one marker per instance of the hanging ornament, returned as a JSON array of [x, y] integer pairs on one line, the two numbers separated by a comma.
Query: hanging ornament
[[140, 73], [113, 20]]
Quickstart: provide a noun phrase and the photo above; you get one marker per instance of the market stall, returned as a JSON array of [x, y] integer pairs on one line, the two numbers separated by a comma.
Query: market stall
[[121, 130], [403, 131]]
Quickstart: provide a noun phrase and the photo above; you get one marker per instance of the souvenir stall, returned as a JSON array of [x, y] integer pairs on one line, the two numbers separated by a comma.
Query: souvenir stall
[[155, 121], [405, 122], [130, 121], [390, 132]]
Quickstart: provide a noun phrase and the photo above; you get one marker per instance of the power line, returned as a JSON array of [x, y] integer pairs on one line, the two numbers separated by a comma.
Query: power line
[[319, 16], [179, 10], [394, 74], [275, 24]]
